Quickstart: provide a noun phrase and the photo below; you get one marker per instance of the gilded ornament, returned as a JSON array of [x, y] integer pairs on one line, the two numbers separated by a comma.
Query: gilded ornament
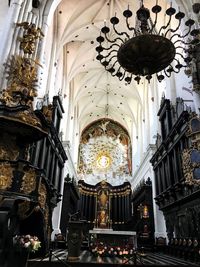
[[30, 36], [49, 232], [193, 125], [188, 167], [47, 112], [28, 117], [7, 153], [8, 150], [29, 182], [46, 216], [6, 175], [104, 184], [22, 80], [194, 130], [103, 199], [42, 195], [103, 160]]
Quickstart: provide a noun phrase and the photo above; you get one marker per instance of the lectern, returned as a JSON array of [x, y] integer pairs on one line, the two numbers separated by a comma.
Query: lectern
[[74, 240]]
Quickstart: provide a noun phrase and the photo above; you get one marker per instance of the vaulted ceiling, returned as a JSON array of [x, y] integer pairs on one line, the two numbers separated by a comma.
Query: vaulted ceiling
[[96, 94]]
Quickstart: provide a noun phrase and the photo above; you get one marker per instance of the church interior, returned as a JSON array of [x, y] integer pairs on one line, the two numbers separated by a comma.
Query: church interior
[[99, 133]]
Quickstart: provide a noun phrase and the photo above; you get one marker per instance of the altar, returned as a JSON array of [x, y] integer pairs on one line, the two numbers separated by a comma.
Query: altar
[[107, 242]]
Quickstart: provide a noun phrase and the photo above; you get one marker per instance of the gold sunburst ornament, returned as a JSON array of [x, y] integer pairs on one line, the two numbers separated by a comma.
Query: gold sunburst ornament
[[103, 160]]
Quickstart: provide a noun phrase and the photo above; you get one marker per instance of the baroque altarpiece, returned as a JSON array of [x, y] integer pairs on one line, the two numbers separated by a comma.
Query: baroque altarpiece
[[105, 206], [104, 169]]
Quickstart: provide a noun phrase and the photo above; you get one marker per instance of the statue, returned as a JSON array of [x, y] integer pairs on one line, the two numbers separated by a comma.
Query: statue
[[22, 80], [103, 126], [103, 219], [103, 199], [30, 36]]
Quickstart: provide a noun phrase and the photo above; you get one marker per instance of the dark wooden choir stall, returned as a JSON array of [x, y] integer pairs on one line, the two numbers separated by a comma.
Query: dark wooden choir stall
[[176, 165]]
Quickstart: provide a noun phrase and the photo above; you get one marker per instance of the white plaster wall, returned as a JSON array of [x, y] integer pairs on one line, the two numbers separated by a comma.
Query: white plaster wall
[[45, 61], [3, 11], [68, 169]]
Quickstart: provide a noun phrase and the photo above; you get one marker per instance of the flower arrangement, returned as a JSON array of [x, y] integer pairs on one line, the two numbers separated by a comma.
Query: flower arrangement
[[104, 250], [31, 243]]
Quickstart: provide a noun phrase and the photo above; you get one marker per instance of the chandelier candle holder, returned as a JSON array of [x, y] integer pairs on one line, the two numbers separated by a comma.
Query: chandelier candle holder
[[147, 48]]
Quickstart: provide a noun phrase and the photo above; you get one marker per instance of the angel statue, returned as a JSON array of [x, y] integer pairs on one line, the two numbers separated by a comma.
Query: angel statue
[[30, 36]]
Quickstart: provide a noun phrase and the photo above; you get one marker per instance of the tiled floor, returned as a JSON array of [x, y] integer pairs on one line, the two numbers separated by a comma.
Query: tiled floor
[[150, 258]]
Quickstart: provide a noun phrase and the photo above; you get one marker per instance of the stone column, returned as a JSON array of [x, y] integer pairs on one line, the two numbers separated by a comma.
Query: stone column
[[7, 36]]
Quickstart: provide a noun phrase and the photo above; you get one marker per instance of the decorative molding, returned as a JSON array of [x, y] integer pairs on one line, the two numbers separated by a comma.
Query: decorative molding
[[6, 176], [194, 130], [30, 36], [21, 82], [48, 112], [29, 181], [8, 151], [191, 165], [42, 196]]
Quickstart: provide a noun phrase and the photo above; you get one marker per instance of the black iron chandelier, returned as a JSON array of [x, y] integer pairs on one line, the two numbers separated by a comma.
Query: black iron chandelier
[[145, 49]]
